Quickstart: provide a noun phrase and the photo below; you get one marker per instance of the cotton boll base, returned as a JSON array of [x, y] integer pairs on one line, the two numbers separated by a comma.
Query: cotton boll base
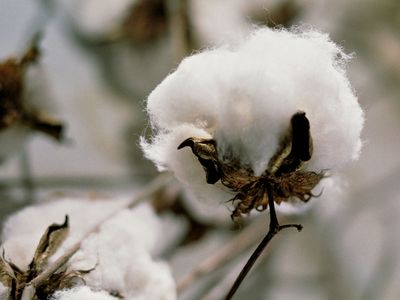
[[244, 96]]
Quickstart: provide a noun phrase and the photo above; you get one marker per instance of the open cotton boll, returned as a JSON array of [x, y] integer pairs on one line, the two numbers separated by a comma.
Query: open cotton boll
[[244, 96], [124, 243], [22, 231]]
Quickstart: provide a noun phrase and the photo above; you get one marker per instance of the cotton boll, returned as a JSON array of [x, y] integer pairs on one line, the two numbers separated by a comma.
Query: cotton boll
[[119, 242], [22, 231], [149, 280], [244, 96], [118, 254], [82, 293]]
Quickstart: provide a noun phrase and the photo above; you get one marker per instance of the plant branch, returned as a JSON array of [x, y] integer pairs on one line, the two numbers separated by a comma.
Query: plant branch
[[148, 190], [274, 228]]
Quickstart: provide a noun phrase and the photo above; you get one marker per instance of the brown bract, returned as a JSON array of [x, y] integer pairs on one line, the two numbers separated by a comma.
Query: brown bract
[[285, 177]]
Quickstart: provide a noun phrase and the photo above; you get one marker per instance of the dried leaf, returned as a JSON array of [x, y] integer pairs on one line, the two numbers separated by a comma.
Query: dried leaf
[[6, 272], [48, 244]]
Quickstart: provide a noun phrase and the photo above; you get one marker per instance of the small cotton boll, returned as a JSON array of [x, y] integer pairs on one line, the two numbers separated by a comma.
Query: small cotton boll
[[82, 293], [244, 96]]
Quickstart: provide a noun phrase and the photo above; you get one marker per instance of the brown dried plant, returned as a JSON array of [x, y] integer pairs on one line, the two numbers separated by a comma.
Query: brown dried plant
[[13, 107], [285, 179]]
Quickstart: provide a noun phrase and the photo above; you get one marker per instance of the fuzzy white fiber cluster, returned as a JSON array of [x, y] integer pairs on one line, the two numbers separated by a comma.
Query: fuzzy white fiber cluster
[[244, 95], [120, 253]]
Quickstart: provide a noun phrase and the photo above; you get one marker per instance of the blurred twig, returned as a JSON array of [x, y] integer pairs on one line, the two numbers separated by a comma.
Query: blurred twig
[[245, 239], [26, 176]]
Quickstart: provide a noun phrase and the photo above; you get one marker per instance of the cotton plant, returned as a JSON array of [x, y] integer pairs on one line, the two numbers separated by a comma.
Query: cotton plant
[[113, 262], [260, 122]]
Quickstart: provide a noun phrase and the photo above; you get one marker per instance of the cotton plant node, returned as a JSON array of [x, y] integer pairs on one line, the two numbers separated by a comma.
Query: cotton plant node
[[13, 108], [15, 278]]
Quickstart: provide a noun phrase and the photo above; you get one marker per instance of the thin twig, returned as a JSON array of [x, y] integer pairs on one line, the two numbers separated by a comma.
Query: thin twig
[[274, 228], [26, 176], [219, 289], [148, 190], [245, 239]]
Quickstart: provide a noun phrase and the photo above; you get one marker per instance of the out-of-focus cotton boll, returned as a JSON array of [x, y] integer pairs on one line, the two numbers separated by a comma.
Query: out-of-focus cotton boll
[[118, 255], [96, 18], [244, 95], [82, 293]]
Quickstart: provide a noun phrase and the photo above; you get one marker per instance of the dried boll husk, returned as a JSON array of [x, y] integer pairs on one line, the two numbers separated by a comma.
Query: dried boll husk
[[15, 278]]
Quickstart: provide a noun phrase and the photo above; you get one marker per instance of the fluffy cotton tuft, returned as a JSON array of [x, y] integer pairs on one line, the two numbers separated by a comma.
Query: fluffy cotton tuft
[[120, 254], [244, 95], [81, 293]]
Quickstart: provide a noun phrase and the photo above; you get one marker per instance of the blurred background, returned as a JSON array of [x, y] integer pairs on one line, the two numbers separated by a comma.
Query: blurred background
[[100, 59]]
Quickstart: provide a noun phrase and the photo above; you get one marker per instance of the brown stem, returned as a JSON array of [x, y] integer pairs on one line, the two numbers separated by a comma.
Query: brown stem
[[223, 255], [274, 228]]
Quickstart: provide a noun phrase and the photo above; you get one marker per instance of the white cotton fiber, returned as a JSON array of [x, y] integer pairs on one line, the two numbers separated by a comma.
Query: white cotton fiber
[[82, 293], [244, 95], [120, 253]]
